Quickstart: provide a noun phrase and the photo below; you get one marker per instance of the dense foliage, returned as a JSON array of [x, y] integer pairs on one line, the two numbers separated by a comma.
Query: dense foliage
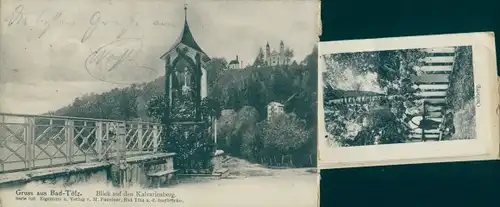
[[373, 122], [462, 86], [193, 144], [462, 91], [245, 131], [257, 86], [242, 134]]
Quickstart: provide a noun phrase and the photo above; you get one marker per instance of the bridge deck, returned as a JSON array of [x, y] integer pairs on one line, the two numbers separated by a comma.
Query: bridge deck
[[47, 162], [27, 175], [24, 176]]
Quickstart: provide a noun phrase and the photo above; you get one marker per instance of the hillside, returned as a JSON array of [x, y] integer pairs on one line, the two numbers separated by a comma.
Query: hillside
[[252, 86], [245, 133], [128, 103]]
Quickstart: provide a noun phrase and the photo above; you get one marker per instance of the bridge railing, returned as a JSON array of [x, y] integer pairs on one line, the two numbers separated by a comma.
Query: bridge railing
[[33, 141]]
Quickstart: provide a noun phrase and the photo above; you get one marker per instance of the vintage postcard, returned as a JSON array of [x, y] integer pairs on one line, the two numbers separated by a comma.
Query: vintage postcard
[[158, 102], [408, 100]]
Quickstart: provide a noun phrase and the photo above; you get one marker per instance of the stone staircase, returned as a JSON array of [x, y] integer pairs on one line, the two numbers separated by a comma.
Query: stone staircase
[[433, 82]]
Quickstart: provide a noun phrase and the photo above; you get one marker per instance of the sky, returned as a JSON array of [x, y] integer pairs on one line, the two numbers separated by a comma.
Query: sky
[[50, 49]]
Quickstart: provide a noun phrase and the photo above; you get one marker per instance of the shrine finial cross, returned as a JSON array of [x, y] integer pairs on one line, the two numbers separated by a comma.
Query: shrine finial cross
[[185, 9]]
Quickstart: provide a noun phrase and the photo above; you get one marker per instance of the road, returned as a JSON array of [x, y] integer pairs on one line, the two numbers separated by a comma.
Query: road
[[254, 185]]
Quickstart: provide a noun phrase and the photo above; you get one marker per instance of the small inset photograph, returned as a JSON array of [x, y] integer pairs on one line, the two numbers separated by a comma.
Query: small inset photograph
[[399, 96], [407, 100]]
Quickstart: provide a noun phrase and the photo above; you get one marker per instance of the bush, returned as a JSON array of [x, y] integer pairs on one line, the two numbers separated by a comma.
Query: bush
[[242, 128], [285, 137], [284, 134], [192, 143]]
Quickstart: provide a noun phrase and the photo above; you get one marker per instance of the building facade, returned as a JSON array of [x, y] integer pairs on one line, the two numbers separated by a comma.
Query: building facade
[[234, 64], [274, 58], [274, 109]]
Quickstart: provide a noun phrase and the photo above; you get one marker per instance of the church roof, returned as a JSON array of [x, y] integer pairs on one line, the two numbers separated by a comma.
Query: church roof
[[235, 61], [186, 38], [274, 103]]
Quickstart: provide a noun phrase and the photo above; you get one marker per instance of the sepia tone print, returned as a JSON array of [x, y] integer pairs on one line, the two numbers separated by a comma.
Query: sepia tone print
[[399, 96], [155, 102]]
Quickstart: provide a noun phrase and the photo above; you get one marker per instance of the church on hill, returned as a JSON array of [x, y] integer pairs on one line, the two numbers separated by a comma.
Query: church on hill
[[235, 64], [274, 58]]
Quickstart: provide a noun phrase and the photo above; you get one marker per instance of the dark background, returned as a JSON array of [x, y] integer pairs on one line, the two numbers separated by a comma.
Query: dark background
[[456, 184]]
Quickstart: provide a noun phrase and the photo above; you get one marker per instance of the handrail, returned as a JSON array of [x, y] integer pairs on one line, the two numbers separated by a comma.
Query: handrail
[[363, 98], [76, 118], [27, 143]]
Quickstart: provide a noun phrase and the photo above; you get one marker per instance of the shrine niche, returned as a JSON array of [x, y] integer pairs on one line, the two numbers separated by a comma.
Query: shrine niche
[[184, 93], [186, 79]]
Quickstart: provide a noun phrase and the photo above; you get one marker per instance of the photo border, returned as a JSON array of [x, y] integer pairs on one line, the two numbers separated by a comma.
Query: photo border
[[485, 147]]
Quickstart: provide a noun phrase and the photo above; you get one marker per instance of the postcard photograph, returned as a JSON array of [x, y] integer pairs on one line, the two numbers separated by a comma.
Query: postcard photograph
[[148, 102], [424, 94]]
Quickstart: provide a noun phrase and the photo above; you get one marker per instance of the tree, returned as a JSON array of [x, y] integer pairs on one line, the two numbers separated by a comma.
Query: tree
[[461, 86], [211, 111], [459, 121], [259, 60], [249, 142], [211, 108], [288, 55], [244, 122], [225, 127], [215, 67], [284, 134], [156, 107]]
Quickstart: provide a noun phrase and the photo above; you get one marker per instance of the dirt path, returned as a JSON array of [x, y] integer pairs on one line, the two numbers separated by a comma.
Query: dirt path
[[239, 167], [254, 185]]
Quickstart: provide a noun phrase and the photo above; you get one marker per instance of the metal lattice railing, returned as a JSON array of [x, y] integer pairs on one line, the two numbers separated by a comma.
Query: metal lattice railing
[[32, 141]]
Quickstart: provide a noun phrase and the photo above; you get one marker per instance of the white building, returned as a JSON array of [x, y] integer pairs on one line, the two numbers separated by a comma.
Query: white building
[[274, 109], [234, 64]]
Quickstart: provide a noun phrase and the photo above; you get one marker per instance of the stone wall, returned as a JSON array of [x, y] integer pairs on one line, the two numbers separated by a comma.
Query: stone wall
[[217, 159], [133, 172]]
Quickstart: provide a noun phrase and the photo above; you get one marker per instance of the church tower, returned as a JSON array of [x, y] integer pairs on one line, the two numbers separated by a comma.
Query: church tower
[[282, 48], [282, 53], [268, 54], [185, 86]]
